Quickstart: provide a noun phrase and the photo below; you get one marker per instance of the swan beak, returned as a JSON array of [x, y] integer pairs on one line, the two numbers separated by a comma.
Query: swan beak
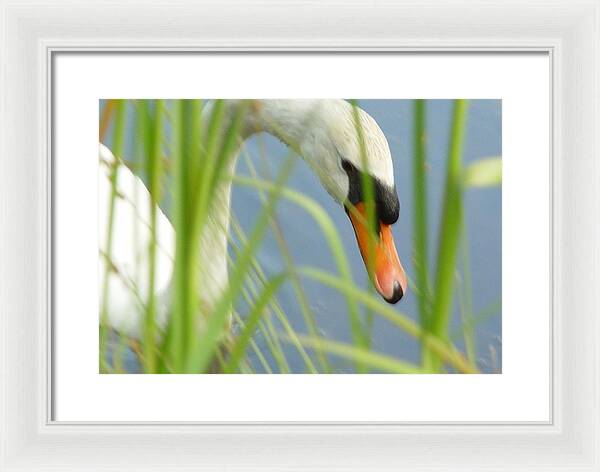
[[388, 274]]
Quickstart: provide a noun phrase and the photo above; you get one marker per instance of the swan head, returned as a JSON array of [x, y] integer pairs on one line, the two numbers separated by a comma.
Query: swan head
[[330, 144]]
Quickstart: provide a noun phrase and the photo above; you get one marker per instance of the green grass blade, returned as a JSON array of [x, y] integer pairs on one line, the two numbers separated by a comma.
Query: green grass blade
[[327, 227], [255, 349], [258, 278], [250, 293], [118, 148], [486, 172], [252, 320], [154, 171], [420, 212], [305, 309], [479, 317], [368, 199], [204, 350], [466, 298], [175, 343], [441, 348], [362, 356], [451, 224]]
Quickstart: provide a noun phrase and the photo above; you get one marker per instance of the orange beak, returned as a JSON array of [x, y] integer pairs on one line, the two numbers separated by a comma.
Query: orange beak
[[382, 261]]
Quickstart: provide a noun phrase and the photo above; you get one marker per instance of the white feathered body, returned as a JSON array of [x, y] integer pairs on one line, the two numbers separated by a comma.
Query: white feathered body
[[128, 262]]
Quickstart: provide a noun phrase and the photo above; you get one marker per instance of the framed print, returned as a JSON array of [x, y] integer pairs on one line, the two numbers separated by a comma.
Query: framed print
[[282, 340], [296, 239]]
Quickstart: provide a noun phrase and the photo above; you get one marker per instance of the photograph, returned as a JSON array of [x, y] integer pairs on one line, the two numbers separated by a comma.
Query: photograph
[[300, 236]]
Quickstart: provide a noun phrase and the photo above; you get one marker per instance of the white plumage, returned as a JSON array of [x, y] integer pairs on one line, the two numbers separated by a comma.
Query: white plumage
[[128, 282]]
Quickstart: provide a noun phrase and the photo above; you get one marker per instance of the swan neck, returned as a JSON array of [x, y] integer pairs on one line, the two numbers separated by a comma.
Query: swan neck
[[284, 119], [287, 120]]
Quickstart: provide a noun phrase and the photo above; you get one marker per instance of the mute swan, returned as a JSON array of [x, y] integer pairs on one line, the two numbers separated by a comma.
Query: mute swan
[[324, 132]]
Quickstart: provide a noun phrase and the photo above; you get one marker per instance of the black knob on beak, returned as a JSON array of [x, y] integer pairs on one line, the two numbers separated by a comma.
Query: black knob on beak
[[397, 295]]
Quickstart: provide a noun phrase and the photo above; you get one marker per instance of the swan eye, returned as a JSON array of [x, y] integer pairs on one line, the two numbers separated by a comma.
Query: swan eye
[[347, 166]]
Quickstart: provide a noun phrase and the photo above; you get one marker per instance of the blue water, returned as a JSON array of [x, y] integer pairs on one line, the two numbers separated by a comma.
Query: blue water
[[483, 211]]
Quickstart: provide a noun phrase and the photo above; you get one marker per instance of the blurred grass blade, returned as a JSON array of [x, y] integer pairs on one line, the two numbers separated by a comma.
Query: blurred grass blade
[[118, 148], [105, 118], [450, 227], [368, 199], [181, 286], [368, 191], [154, 172], [202, 354], [265, 327], [259, 278], [479, 317], [252, 320], [466, 298], [361, 356], [444, 350], [328, 230], [420, 214], [485, 172], [250, 293], [307, 312]]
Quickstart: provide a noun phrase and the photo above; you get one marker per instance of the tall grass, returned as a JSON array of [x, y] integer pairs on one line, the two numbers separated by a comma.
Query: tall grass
[[153, 171], [436, 301], [119, 131], [307, 312], [420, 212], [437, 320], [185, 150]]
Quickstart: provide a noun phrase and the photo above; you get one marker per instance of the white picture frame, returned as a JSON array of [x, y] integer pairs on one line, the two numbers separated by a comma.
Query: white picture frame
[[32, 31]]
